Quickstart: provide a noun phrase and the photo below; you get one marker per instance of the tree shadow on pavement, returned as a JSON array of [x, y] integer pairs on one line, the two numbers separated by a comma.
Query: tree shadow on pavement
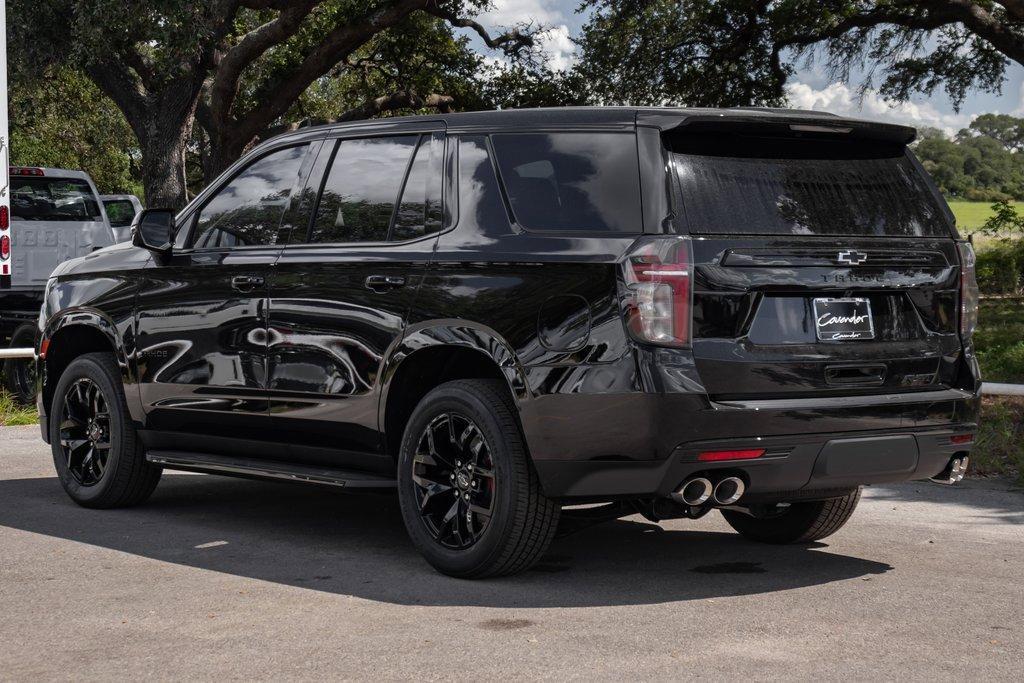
[[355, 544], [996, 500]]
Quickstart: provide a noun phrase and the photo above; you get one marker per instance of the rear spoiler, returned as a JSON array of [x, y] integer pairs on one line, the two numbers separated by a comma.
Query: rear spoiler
[[776, 123]]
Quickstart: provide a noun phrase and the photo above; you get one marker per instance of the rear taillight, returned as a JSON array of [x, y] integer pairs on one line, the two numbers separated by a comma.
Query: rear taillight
[[658, 279], [5, 247], [969, 293]]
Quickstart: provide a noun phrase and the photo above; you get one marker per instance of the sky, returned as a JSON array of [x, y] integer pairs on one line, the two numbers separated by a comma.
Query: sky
[[807, 89]]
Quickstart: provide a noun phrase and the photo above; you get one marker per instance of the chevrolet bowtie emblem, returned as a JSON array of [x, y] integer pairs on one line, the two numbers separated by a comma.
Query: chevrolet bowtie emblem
[[852, 257]]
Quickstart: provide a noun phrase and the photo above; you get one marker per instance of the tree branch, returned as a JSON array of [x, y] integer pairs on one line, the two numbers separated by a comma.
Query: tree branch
[[402, 99], [253, 44], [512, 42], [125, 89], [335, 47]]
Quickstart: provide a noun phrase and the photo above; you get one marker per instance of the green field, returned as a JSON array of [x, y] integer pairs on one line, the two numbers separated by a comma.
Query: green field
[[970, 215]]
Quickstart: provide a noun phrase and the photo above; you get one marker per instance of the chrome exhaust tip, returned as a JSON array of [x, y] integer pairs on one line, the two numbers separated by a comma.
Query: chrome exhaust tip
[[729, 490], [694, 491], [954, 472]]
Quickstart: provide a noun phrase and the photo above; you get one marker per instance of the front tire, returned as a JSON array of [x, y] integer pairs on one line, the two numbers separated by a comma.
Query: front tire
[[798, 523], [97, 453], [470, 497]]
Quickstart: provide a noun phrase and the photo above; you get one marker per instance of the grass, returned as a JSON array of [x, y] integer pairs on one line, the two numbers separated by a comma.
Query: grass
[[13, 413], [1000, 442], [999, 340], [970, 216]]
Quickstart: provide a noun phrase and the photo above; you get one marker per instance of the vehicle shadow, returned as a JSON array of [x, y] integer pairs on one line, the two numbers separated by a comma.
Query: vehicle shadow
[[355, 544]]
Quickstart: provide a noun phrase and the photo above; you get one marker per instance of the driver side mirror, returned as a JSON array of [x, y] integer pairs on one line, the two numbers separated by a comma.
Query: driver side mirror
[[154, 230]]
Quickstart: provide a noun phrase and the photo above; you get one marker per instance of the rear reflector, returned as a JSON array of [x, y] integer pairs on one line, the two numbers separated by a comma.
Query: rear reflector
[[5, 218], [961, 438], [44, 346], [748, 454]]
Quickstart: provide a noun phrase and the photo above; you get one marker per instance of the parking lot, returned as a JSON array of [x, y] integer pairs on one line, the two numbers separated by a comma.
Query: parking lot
[[223, 578]]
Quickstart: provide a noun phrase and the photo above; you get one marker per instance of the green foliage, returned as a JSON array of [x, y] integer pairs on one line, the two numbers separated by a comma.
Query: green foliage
[[741, 52], [1004, 223], [999, 446], [999, 340], [13, 413], [63, 120], [980, 164], [999, 269]]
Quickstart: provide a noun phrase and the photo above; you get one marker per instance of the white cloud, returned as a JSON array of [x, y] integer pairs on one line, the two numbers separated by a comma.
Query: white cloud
[[509, 12], [838, 98], [554, 41], [558, 47]]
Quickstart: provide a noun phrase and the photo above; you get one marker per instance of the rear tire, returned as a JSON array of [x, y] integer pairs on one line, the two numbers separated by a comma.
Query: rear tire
[[19, 374], [444, 498], [800, 523], [99, 458]]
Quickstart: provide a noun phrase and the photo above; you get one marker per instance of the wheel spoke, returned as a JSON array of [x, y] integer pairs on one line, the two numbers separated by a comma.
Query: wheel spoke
[[73, 444], [455, 500]]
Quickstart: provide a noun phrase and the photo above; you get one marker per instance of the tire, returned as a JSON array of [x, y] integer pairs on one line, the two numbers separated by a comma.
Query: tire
[[521, 521], [801, 523], [125, 478], [19, 374]]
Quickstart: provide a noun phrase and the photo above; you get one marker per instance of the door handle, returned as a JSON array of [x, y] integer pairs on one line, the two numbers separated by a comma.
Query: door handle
[[247, 283], [380, 283]]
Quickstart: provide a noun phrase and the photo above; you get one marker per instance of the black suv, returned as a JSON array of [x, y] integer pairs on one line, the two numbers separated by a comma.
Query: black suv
[[644, 310]]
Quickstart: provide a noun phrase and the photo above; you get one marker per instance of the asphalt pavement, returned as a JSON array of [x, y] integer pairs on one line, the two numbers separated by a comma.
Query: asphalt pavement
[[219, 578]]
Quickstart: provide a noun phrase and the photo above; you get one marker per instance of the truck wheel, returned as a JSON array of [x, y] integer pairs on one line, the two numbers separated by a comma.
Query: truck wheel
[[796, 523], [20, 374], [97, 453], [470, 497]]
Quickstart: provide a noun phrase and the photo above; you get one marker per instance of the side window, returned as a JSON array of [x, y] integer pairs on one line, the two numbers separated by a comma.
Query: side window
[[480, 203], [571, 181], [419, 211], [360, 191], [247, 211]]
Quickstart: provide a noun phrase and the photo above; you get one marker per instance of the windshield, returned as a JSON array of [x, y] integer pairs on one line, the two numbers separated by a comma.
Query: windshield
[[120, 212], [53, 199], [805, 189]]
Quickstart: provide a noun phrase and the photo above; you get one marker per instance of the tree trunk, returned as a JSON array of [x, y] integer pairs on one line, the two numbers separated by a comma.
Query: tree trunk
[[167, 131]]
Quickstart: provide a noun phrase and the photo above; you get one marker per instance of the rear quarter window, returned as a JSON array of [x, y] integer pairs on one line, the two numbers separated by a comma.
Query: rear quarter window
[[571, 181], [794, 187]]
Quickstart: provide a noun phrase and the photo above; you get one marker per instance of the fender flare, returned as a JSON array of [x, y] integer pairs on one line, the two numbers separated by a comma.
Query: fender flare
[[456, 333]]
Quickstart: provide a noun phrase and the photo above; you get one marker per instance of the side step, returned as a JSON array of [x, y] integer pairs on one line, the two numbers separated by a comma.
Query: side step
[[267, 469]]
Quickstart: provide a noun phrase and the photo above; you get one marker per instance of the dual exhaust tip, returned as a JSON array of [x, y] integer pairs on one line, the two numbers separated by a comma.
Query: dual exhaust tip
[[700, 490], [954, 472]]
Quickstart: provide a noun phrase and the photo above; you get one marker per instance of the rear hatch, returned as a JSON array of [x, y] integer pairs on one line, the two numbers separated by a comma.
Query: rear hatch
[[823, 265], [53, 219]]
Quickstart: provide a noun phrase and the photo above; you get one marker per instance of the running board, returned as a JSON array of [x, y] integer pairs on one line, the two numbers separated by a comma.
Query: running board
[[265, 469]]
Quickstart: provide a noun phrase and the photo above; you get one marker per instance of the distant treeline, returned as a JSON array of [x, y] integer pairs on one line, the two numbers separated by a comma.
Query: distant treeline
[[981, 163]]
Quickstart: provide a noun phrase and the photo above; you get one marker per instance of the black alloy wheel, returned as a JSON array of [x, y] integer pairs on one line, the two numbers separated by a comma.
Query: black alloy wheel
[[85, 436], [454, 478]]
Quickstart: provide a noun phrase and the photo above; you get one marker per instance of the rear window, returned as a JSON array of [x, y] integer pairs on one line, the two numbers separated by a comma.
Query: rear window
[[53, 199], [792, 187], [571, 181]]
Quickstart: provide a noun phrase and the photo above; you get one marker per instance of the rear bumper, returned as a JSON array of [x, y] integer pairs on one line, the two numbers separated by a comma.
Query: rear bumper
[[812, 445]]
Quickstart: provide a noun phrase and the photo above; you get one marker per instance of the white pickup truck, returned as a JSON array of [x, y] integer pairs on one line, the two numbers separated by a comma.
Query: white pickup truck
[[56, 215]]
